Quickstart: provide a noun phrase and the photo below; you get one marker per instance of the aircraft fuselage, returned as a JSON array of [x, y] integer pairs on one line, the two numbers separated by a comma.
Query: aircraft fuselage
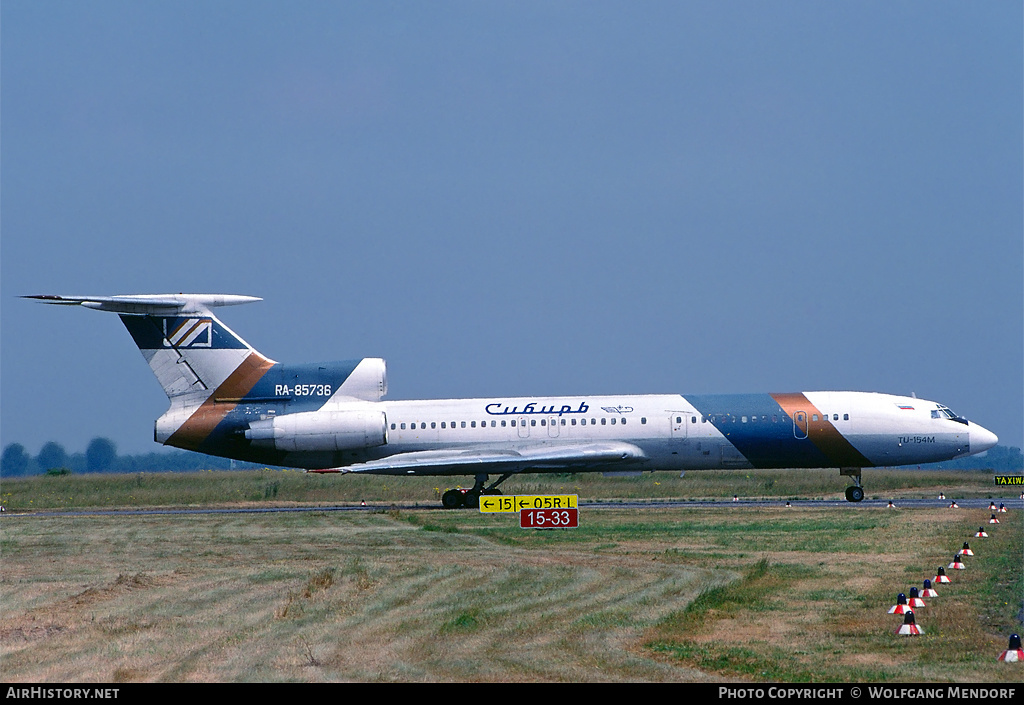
[[227, 399]]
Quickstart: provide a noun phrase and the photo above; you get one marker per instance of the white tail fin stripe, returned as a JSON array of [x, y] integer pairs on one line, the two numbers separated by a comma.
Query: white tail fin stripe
[[188, 332]]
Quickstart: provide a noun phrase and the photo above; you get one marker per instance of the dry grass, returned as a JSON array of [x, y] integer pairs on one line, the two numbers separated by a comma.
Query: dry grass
[[785, 595], [820, 613], [365, 597]]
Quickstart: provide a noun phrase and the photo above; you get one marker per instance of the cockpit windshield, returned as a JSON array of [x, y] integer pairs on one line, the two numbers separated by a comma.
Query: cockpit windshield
[[944, 412]]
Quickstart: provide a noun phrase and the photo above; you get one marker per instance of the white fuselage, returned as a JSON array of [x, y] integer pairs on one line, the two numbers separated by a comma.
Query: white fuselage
[[832, 429]]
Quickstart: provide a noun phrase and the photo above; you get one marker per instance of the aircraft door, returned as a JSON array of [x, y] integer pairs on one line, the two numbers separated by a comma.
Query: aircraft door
[[800, 424], [553, 426], [524, 430]]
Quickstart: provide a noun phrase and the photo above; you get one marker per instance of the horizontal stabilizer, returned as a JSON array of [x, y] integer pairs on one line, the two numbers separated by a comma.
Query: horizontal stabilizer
[[461, 461], [189, 350], [149, 304]]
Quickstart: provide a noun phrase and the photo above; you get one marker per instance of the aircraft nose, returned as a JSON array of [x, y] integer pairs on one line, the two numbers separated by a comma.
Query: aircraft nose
[[981, 439]]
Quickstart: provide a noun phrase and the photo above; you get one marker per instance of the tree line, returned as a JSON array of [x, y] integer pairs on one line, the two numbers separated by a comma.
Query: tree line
[[101, 456]]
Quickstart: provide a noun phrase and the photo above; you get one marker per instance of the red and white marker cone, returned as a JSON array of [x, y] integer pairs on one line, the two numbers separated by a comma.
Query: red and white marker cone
[[909, 627], [1014, 653], [941, 578], [993, 520], [901, 606], [957, 564], [942, 495], [891, 505], [954, 505], [1002, 507], [966, 550], [928, 590], [981, 533], [914, 601], [991, 506]]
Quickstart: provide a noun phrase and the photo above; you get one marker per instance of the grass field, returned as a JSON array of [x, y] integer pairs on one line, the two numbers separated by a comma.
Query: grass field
[[282, 487], [657, 594]]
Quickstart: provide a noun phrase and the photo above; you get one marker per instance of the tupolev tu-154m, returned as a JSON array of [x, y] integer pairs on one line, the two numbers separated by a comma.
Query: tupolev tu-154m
[[229, 400]]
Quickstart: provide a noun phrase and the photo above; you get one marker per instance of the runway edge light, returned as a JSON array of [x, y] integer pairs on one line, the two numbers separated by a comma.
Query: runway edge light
[[1014, 653], [909, 627]]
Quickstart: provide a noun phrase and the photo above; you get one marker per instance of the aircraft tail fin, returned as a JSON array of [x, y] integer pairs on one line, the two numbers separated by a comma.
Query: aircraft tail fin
[[189, 349]]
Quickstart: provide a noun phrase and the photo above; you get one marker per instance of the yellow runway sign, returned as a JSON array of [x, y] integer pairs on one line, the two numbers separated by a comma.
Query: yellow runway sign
[[497, 503]]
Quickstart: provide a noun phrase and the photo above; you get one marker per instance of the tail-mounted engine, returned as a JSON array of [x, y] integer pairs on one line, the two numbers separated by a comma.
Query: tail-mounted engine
[[320, 430]]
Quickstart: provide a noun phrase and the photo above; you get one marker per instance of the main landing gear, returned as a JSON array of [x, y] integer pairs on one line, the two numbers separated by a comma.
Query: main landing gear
[[470, 498], [854, 493]]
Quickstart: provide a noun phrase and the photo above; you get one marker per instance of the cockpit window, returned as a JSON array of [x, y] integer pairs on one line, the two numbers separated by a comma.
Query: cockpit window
[[944, 412]]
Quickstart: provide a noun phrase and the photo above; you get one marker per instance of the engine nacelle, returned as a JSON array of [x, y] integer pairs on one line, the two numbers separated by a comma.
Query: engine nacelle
[[320, 430], [369, 380]]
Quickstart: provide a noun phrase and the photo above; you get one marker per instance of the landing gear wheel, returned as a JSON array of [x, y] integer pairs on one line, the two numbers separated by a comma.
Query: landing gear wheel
[[471, 500], [854, 494], [452, 499]]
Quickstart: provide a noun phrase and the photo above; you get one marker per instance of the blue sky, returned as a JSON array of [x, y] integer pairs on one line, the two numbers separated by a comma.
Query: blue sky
[[518, 198]]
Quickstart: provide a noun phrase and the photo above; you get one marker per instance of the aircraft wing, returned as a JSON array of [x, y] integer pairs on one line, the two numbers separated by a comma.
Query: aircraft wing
[[466, 461]]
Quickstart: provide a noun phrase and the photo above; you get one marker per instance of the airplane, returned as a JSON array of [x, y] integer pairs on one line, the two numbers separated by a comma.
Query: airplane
[[226, 399]]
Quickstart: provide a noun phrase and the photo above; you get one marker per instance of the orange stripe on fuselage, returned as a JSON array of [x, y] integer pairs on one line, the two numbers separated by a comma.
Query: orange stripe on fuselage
[[200, 425], [822, 433]]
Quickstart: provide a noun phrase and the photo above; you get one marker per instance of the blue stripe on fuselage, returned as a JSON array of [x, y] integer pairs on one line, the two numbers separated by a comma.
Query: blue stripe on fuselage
[[762, 441], [301, 387]]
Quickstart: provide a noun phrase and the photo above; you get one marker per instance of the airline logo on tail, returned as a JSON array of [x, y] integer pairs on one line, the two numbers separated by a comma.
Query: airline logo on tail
[[188, 333]]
